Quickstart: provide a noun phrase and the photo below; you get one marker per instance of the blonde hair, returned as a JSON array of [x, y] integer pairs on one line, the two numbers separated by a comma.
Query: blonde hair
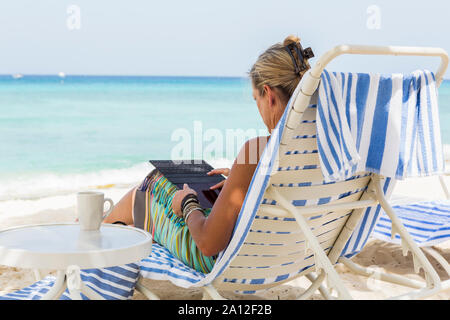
[[276, 69]]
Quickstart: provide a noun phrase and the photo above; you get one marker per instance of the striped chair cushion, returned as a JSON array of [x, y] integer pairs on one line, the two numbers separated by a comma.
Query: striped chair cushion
[[113, 283], [162, 265], [427, 222]]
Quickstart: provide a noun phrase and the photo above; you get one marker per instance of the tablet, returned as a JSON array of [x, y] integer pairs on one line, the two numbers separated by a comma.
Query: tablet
[[194, 173]]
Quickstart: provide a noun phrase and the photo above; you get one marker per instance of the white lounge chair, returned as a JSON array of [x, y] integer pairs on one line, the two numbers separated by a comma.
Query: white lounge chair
[[292, 223]]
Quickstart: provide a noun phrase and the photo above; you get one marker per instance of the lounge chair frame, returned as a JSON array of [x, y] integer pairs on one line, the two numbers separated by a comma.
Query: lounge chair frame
[[368, 272], [324, 263]]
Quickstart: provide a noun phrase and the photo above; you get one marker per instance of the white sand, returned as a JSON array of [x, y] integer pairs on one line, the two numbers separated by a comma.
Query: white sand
[[376, 253]]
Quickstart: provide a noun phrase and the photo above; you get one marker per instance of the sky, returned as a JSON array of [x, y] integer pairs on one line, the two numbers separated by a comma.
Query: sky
[[209, 38]]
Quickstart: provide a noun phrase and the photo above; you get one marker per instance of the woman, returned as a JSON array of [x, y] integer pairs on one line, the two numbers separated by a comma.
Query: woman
[[193, 234]]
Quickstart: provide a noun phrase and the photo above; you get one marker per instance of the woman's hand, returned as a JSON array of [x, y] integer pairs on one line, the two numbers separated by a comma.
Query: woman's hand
[[178, 197], [223, 171]]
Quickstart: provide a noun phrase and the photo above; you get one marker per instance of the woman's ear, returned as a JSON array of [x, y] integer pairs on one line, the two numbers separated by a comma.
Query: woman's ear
[[270, 95]]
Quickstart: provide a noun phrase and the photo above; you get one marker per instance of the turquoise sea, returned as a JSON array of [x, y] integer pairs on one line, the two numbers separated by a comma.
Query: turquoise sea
[[58, 133]]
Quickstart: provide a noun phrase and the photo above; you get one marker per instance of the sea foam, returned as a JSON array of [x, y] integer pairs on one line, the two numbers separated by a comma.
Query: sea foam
[[26, 195], [50, 184], [29, 187]]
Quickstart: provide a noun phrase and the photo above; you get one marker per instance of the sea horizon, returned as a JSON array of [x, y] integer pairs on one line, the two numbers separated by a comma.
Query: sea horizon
[[7, 75], [132, 75]]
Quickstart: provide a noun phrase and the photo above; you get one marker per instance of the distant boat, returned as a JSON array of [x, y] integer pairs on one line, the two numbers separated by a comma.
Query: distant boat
[[17, 76], [61, 74]]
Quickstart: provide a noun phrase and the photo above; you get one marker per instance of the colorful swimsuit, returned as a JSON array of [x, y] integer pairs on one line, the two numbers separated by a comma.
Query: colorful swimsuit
[[152, 211]]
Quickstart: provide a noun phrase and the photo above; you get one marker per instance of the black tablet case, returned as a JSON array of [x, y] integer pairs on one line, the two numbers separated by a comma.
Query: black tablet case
[[192, 172]]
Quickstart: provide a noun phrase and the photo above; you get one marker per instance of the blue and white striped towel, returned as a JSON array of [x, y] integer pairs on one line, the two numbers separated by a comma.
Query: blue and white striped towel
[[427, 222], [383, 124]]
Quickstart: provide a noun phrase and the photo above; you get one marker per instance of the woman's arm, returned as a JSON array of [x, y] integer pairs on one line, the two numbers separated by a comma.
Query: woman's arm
[[212, 234]]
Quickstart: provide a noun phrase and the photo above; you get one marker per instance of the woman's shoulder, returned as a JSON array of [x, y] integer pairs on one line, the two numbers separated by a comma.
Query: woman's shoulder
[[261, 139], [252, 150]]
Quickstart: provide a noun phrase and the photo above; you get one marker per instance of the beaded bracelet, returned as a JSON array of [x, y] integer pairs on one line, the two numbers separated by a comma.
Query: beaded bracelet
[[192, 205], [188, 202], [186, 217], [189, 208], [187, 199]]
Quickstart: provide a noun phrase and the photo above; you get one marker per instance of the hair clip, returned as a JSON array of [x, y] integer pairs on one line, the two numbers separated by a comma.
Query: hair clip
[[302, 55]]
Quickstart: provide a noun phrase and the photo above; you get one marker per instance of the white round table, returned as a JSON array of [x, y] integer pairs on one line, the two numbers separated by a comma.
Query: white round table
[[67, 249]]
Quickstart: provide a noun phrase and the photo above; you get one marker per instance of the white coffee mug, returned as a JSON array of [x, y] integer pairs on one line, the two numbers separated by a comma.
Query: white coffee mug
[[90, 209]]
